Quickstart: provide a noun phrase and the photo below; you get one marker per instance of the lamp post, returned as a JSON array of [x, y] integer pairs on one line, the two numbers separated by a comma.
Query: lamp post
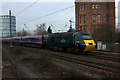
[[10, 30]]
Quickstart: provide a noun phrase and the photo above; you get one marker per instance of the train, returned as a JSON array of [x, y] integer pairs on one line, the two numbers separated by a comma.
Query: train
[[77, 40]]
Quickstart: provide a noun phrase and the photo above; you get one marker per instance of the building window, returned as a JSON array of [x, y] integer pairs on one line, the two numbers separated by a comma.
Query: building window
[[84, 18], [107, 18], [99, 6], [94, 18], [81, 19], [80, 7], [98, 18], [85, 28], [92, 6], [81, 28], [96, 6], [85, 6]]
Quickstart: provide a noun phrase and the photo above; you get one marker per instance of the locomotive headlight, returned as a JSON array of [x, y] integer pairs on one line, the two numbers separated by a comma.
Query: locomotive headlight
[[94, 43], [85, 44]]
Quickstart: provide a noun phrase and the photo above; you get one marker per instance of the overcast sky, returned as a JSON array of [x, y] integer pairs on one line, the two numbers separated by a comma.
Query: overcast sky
[[41, 8]]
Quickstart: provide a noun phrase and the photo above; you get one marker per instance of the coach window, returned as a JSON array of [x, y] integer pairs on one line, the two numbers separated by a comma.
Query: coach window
[[80, 7], [98, 18], [35, 39], [81, 19], [94, 18], [92, 6]]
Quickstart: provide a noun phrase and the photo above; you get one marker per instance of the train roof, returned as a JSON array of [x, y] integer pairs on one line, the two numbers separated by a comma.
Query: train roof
[[25, 37], [74, 32], [32, 36], [16, 37], [80, 32]]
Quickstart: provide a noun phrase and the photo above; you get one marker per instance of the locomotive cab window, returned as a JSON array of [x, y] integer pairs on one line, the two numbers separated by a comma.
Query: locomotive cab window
[[77, 37], [86, 37]]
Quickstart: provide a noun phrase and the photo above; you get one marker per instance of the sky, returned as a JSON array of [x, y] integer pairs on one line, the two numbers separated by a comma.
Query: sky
[[32, 15]]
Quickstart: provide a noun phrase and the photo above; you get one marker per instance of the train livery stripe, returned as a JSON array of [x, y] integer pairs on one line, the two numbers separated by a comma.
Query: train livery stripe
[[41, 40], [90, 45], [21, 39]]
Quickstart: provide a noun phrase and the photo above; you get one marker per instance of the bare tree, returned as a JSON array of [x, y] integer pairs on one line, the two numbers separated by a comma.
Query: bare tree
[[19, 34], [70, 29], [23, 33], [41, 29], [49, 30]]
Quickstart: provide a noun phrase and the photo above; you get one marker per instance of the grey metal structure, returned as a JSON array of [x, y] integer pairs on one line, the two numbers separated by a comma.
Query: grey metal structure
[[5, 25]]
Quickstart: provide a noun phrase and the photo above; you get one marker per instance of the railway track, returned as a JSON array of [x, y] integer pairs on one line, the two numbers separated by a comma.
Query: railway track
[[114, 54], [95, 65], [11, 70], [101, 56], [102, 66], [86, 63], [91, 62], [107, 51], [21, 69]]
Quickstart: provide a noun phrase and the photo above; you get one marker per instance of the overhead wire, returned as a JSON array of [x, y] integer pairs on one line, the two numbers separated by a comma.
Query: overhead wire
[[62, 23], [49, 14], [26, 8], [55, 21]]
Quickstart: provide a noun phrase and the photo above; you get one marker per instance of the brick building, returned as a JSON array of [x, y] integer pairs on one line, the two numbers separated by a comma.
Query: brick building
[[91, 15]]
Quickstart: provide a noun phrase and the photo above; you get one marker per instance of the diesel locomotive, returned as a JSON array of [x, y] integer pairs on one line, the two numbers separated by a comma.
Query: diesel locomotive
[[78, 40]]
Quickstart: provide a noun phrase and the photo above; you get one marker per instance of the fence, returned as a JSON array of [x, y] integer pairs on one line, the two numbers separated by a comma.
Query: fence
[[108, 46]]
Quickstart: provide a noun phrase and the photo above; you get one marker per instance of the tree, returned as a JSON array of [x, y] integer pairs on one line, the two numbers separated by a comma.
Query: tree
[[19, 34], [23, 33], [70, 29], [41, 29], [49, 30]]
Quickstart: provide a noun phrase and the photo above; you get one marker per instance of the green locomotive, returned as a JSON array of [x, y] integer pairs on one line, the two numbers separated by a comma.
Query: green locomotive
[[78, 40]]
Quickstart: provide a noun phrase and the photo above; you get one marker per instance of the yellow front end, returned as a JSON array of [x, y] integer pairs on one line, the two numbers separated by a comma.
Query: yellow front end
[[90, 45]]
